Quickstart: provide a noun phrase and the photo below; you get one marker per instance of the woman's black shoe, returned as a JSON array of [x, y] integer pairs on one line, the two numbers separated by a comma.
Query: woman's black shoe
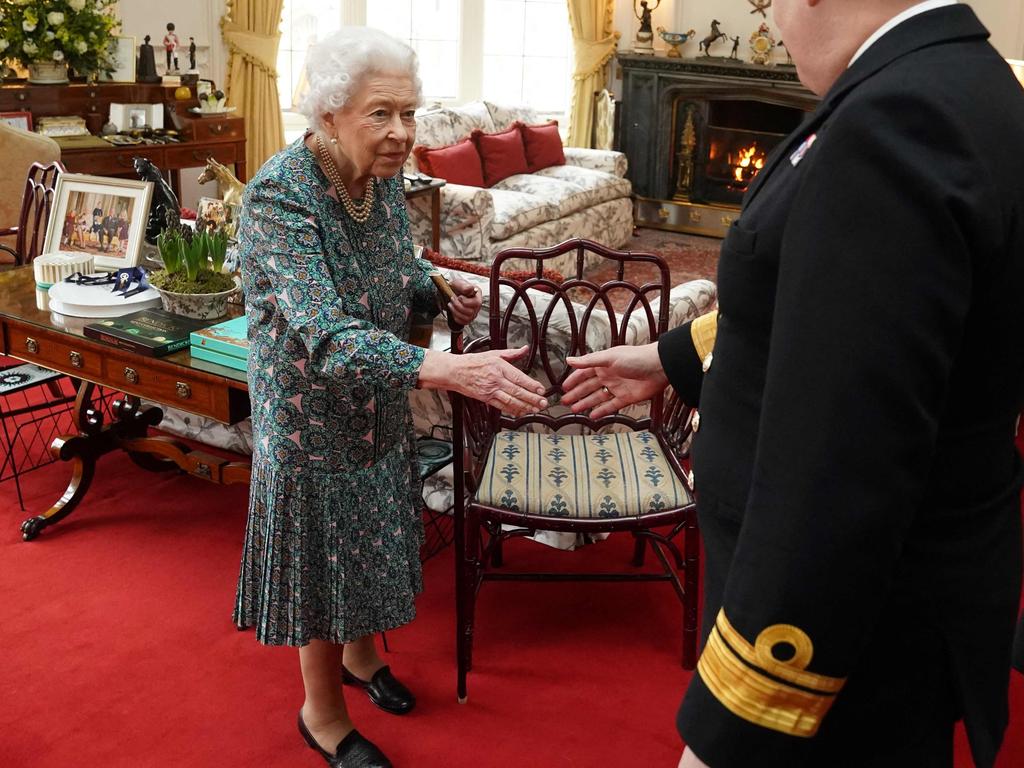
[[354, 751], [384, 690]]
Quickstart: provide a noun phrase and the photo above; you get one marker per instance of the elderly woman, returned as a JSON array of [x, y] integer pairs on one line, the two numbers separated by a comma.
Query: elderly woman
[[331, 551]]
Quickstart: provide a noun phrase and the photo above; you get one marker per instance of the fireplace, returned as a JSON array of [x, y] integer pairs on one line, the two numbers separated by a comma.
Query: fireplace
[[697, 133]]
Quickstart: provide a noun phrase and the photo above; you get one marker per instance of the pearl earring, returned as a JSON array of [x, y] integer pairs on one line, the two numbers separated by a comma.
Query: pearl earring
[[334, 139]]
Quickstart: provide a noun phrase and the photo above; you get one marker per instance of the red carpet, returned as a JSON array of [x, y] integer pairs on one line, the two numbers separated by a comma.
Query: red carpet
[[117, 650]]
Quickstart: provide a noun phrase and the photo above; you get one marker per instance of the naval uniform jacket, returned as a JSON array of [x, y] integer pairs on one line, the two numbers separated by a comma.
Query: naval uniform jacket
[[858, 414]]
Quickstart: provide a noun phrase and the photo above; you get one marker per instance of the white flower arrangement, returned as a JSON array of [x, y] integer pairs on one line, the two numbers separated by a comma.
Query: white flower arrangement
[[55, 18], [79, 33]]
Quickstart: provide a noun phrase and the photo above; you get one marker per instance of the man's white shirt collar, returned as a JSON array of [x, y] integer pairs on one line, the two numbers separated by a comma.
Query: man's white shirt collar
[[895, 21]]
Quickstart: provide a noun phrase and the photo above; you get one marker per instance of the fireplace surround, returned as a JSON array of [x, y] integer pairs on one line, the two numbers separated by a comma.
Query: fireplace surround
[[697, 131]]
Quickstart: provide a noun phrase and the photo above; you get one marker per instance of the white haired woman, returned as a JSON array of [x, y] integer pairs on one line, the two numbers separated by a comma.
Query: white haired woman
[[331, 551]]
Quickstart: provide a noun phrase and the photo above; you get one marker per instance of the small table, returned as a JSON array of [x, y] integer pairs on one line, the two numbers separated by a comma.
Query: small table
[[29, 331], [432, 188]]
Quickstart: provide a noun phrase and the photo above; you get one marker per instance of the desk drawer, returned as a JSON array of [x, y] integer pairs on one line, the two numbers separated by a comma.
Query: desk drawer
[[105, 163], [218, 129], [57, 352], [196, 157], [139, 377]]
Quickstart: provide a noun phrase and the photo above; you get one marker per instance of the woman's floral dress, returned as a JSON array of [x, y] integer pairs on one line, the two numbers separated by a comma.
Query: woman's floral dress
[[332, 542]]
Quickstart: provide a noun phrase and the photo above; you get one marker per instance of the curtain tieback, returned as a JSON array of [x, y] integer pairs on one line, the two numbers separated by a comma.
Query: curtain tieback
[[591, 55], [257, 49]]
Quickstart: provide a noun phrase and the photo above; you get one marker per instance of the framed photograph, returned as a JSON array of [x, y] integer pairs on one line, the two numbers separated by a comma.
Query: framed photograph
[[133, 117], [123, 53], [21, 120], [101, 216]]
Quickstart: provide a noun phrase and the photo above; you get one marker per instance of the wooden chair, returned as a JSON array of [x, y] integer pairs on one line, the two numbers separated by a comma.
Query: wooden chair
[[559, 471], [36, 202], [33, 400]]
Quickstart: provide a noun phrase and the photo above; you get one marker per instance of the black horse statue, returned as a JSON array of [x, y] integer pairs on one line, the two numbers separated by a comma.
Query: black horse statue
[[164, 206], [716, 35]]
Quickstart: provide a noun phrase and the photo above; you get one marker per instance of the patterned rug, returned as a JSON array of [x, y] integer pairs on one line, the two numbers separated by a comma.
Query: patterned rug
[[689, 257]]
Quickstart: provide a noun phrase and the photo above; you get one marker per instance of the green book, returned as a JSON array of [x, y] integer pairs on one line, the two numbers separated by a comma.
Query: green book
[[229, 338], [212, 356], [152, 332]]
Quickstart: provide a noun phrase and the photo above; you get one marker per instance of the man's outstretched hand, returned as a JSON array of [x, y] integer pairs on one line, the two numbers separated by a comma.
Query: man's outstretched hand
[[607, 381]]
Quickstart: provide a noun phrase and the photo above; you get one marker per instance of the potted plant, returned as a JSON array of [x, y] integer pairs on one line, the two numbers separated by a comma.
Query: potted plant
[[193, 282], [48, 36]]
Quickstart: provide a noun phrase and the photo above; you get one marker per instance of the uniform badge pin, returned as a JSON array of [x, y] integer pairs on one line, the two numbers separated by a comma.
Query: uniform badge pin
[[797, 156]]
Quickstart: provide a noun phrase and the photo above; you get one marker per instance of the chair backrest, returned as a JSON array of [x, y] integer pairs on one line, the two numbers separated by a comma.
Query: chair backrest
[[610, 309], [36, 203], [604, 120]]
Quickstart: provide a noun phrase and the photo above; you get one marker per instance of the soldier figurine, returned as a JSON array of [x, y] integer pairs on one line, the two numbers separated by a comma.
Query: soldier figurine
[[171, 44]]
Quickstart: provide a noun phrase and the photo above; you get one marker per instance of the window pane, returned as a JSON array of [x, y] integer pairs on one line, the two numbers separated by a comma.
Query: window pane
[[435, 19], [547, 23], [392, 16], [503, 79], [503, 27], [439, 68], [303, 22], [431, 27], [542, 90]]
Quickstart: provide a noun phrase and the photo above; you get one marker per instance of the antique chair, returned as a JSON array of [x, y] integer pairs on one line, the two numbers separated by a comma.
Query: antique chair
[[35, 403], [567, 472], [36, 201], [19, 149]]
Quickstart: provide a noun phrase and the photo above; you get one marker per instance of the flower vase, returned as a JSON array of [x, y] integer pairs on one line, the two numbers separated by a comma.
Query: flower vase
[[48, 73]]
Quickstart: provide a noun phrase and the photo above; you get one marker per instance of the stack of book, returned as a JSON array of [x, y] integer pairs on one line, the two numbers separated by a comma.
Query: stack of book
[[226, 343]]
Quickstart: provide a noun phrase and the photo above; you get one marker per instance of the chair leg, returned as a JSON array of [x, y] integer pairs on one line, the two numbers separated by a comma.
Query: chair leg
[[9, 458], [691, 585], [461, 588], [498, 552], [639, 550]]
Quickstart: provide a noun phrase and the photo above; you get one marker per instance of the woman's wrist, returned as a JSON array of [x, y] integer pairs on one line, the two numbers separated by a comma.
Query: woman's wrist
[[435, 372]]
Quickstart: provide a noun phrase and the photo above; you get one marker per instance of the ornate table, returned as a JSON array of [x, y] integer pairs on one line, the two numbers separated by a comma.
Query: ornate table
[[29, 331]]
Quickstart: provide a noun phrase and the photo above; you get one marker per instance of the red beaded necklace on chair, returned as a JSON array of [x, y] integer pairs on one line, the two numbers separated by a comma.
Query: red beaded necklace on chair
[[359, 213]]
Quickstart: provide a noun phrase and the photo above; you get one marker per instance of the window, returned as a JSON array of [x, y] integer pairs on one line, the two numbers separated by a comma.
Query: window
[[527, 53], [431, 27], [511, 51]]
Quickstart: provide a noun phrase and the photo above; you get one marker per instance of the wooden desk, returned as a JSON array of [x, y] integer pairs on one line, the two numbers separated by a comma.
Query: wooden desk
[[222, 138], [30, 332]]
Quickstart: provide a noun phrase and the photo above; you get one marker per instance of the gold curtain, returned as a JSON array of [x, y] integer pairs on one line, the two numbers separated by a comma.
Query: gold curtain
[[252, 31], [594, 45]]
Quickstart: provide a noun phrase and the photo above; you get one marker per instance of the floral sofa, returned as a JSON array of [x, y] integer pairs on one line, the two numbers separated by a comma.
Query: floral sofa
[[587, 197]]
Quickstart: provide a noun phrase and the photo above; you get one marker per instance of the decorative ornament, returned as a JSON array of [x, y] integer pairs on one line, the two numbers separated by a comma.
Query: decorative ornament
[[674, 40], [762, 43], [716, 35], [644, 43], [760, 6]]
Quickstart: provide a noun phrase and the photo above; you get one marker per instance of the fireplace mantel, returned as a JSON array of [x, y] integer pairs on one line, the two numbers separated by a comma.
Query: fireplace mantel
[[649, 129]]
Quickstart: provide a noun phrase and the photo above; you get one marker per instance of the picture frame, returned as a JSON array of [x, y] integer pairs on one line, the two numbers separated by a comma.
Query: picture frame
[[22, 120], [132, 117], [124, 55], [103, 216]]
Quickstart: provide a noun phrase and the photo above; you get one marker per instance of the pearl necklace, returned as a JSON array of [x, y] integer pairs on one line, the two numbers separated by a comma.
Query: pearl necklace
[[359, 213]]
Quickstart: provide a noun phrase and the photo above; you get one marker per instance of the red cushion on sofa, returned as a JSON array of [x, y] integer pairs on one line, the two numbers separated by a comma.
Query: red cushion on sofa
[[502, 154], [543, 145], [458, 163]]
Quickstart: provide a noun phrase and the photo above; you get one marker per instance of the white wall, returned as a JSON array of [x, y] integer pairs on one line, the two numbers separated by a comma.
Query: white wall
[[1004, 18]]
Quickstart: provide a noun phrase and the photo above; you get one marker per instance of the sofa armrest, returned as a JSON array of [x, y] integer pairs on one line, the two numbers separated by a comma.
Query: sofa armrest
[[467, 219], [606, 160]]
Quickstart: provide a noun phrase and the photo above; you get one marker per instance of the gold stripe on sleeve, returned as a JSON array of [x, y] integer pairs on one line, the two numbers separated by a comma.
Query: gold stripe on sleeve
[[703, 331]]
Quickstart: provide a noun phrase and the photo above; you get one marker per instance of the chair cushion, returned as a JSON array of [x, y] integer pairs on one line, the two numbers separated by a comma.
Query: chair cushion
[[516, 211], [19, 377], [543, 145], [502, 154], [457, 164], [620, 474]]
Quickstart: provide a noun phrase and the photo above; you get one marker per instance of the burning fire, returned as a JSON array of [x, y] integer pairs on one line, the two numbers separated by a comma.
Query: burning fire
[[751, 160]]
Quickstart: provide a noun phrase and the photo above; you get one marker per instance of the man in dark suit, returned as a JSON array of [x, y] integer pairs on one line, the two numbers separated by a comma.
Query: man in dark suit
[[857, 482]]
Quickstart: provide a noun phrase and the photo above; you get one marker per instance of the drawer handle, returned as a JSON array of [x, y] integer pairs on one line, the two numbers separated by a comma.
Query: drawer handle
[[184, 390], [32, 345], [217, 129], [131, 375], [75, 358]]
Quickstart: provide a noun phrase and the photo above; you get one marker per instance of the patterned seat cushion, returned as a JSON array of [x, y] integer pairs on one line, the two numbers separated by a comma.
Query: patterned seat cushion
[[19, 377], [583, 476], [516, 211]]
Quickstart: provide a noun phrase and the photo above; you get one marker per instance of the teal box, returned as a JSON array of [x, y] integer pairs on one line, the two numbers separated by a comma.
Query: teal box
[[229, 338], [212, 356]]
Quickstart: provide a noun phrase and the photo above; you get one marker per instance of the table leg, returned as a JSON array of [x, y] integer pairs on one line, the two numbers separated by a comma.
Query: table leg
[[128, 431], [435, 219]]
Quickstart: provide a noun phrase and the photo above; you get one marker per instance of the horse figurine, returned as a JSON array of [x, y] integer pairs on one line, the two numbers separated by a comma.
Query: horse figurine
[[716, 35], [229, 188], [164, 206]]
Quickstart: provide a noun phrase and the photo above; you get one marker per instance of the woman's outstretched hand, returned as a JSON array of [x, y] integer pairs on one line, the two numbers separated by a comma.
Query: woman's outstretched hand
[[485, 376], [467, 302], [607, 381]]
